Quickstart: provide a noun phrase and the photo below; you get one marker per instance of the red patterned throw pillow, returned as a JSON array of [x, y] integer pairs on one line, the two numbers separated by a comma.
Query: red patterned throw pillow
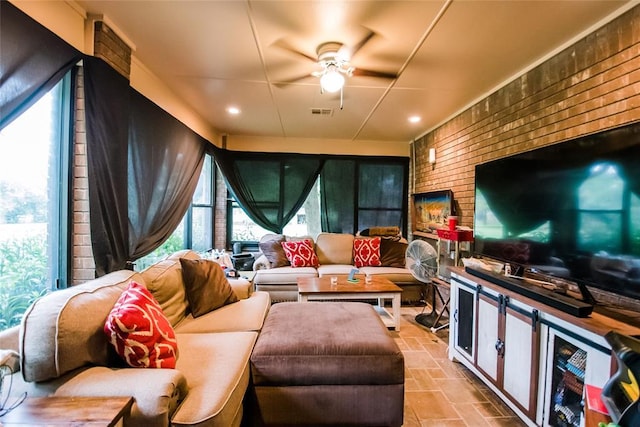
[[139, 330], [366, 252], [300, 253]]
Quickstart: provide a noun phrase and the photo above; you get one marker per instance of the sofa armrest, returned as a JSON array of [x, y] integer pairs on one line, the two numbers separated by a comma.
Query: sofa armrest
[[262, 263], [157, 392], [241, 286], [9, 339]]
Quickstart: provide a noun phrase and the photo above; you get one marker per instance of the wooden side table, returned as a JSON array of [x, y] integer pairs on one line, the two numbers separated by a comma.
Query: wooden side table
[[76, 411]]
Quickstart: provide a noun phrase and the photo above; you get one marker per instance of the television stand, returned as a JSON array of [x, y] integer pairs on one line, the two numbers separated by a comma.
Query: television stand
[[530, 353], [562, 302]]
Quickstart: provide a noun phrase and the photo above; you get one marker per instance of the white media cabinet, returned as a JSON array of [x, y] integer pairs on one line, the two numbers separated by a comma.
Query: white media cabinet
[[535, 357]]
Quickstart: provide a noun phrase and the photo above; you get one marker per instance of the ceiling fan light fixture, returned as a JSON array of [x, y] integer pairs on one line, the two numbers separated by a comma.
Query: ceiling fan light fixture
[[331, 80]]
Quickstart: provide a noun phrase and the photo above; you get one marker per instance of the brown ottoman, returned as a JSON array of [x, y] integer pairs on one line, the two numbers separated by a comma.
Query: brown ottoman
[[327, 363]]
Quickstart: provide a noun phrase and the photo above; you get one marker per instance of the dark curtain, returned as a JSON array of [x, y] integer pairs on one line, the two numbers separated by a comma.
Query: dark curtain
[[337, 204], [32, 61], [358, 193], [382, 194], [107, 115], [165, 160], [270, 187], [143, 166]]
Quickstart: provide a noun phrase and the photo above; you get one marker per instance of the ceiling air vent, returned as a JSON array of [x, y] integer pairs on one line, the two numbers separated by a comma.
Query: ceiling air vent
[[322, 112]]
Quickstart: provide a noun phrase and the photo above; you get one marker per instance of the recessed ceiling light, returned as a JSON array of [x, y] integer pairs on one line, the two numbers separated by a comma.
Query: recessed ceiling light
[[414, 119], [233, 110]]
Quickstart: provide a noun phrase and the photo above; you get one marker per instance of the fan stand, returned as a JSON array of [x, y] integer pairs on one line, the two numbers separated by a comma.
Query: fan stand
[[427, 319]]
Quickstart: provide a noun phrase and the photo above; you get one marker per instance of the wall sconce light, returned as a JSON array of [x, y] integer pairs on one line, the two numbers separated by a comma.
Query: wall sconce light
[[432, 155]]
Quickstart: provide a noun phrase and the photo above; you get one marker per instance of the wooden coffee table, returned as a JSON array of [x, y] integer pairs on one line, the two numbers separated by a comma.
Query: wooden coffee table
[[69, 411], [320, 288]]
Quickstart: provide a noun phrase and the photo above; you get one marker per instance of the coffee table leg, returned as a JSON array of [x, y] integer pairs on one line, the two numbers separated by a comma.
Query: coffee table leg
[[395, 303]]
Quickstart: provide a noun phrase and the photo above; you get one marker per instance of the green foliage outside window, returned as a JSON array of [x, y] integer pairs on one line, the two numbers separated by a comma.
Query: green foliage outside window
[[24, 276], [173, 244]]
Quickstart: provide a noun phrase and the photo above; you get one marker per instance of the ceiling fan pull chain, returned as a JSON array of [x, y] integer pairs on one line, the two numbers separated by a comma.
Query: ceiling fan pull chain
[[341, 97]]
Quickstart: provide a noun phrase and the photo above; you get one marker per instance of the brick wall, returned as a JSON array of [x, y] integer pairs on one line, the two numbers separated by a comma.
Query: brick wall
[[83, 266], [589, 87], [110, 48], [220, 213]]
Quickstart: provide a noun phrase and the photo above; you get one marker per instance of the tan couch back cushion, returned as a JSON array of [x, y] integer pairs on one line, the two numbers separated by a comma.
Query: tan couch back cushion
[[164, 281], [334, 248], [63, 330]]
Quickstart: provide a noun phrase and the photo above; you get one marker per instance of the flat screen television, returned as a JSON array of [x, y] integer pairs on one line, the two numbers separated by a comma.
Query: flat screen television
[[570, 210]]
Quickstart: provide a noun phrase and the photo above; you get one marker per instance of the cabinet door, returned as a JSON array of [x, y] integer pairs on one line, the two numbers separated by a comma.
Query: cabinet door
[[520, 362], [487, 328], [464, 319]]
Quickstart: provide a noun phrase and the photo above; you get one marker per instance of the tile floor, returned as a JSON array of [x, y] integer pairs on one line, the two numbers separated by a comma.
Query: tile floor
[[441, 393]]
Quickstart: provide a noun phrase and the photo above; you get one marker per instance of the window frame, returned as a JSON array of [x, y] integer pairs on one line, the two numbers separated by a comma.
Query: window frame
[[188, 226], [65, 176]]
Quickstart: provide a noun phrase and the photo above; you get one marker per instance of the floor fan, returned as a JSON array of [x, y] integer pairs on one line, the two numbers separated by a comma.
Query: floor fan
[[422, 262]]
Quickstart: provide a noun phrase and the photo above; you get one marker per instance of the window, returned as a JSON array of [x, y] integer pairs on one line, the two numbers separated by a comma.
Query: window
[[306, 222], [381, 195], [358, 193], [195, 231], [34, 182], [352, 193], [199, 230]]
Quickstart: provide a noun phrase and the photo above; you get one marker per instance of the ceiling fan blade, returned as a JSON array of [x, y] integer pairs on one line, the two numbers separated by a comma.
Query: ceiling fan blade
[[283, 83], [286, 46], [352, 50], [371, 73]]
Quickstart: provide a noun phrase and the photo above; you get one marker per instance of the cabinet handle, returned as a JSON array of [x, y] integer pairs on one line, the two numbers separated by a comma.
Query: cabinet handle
[[455, 315], [500, 347]]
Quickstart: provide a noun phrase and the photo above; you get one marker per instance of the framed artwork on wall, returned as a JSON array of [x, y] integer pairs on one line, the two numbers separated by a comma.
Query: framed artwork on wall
[[432, 210]]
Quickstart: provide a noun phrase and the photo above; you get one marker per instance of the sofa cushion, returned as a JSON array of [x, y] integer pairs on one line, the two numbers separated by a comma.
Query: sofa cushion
[[164, 281], [206, 286], [271, 247], [366, 252], [216, 367], [139, 331], [335, 248], [399, 276], [283, 275], [393, 253], [301, 253], [331, 269], [388, 231], [63, 330], [245, 315]]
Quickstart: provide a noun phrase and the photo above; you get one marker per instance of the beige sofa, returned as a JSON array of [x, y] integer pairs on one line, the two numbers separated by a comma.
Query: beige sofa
[[64, 351], [335, 256]]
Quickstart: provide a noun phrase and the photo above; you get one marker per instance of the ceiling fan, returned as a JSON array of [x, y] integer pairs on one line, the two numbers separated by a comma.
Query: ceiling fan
[[333, 59]]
